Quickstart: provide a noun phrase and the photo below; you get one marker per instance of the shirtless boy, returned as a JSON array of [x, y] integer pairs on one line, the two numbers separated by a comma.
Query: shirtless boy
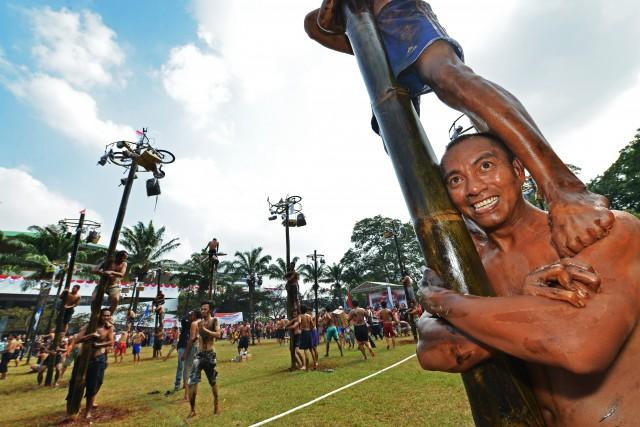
[[158, 304], [7, 355], [424, 59], [70, 301], [293, 325], [280, 329], [386, 318], [207, 329], [70, 356], [121, 346], [100, 340], [306, 338], [60, 359], [582, 352], [136, 345], [331, 330], [245, 333], [357, 317], [212, 250], [113, 272], [191, 349]]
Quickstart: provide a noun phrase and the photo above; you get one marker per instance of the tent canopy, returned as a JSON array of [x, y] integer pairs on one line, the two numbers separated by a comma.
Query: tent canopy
[[368, 287]]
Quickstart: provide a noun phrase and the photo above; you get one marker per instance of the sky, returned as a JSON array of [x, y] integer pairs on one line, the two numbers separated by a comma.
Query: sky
[[253, 109]]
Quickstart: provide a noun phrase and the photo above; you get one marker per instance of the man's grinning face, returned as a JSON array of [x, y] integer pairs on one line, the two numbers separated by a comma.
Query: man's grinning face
[[482, 183]]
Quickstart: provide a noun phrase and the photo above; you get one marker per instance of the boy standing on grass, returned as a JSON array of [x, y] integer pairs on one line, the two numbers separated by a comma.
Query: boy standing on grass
[[207, 329]]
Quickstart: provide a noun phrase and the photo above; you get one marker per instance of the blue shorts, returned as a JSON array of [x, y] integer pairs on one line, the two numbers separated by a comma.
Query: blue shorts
[[332, 332], [407, 28], [135, 349]]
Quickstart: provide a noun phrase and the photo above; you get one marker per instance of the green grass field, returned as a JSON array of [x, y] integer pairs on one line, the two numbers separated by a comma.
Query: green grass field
[[253, 391]]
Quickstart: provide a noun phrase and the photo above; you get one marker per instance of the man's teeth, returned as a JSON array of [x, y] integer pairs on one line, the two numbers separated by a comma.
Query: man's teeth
[[485, 202]]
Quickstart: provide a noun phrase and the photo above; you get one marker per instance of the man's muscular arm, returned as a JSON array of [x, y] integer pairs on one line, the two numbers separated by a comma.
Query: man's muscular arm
[[544, 331], [216, 330], [193, 336], [441, 347], [337, 41], [120, 272]]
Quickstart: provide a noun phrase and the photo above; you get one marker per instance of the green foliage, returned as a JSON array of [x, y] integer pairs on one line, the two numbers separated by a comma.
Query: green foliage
[[373, 257], [621, 182], [335, 275], [278, 270], [17, 319], [245, 265], [146, 247], [41, 250]]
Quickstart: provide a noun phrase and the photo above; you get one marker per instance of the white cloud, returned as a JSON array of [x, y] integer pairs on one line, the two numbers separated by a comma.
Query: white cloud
[[75, 46], [266, 51], [197, 80], [25, 201], [74, 113]]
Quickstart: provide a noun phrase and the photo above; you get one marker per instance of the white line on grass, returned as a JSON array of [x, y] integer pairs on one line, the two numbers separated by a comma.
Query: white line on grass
[[324, 396]]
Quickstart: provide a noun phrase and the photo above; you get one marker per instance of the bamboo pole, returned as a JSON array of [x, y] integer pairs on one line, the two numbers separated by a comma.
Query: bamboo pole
[[498, 392]]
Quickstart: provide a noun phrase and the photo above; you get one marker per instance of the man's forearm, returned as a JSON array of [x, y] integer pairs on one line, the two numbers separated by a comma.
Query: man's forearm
[[103, 344], [212, 333], [540, 330]]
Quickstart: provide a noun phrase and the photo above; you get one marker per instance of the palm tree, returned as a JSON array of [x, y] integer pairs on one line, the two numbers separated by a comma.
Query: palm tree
[[43, 249], [308, 275], [335, 275], [249, 265], [146, 248], [12, 254], [278, 270], [194, 271]]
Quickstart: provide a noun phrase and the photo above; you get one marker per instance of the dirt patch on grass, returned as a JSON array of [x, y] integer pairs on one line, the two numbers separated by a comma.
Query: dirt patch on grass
[[103, 414], [22, 388]]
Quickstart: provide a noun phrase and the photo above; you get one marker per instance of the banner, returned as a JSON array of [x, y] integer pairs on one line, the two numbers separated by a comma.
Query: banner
[[229, 318], [391, 296]]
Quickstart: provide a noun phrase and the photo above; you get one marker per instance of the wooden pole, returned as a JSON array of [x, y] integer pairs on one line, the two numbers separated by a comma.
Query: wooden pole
[[498, 392]]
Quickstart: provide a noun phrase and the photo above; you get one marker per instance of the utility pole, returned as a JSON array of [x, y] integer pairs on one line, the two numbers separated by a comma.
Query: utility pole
[[157, 317], [130, 156], [315, 256], [55, 301], [283, 209], [80, 223]]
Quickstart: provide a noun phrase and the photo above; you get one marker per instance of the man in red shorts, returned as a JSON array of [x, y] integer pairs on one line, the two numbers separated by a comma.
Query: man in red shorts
[[386, 317], [121, 346]]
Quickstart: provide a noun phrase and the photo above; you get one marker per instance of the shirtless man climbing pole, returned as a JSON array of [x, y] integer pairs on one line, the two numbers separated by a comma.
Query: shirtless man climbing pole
[[70, 301], [113, 272], [100, 341], [581, 342]]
